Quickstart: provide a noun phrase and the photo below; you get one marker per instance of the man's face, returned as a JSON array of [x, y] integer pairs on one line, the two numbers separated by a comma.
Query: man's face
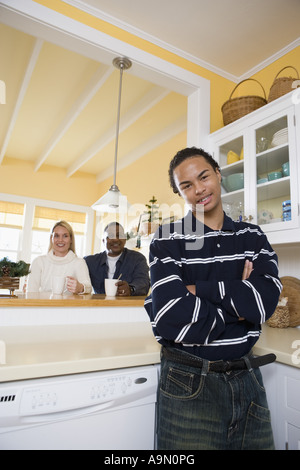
[[199, 184], [115, 240]]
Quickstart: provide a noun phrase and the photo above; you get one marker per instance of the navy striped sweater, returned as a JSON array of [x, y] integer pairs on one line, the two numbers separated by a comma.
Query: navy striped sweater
[[208, 325]]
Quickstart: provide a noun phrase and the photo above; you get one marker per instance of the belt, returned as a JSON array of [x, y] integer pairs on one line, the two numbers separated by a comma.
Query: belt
[[217, 366]]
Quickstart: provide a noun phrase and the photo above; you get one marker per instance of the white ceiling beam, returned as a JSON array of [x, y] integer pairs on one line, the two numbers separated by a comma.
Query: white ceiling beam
[[23, 89], [158, 139], [151, 98], [96, 82]]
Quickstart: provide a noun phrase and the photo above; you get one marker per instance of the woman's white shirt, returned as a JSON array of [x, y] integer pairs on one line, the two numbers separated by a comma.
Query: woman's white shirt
[[44, 267]]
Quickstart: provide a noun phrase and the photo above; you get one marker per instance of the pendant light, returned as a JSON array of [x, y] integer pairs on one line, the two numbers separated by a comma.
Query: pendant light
[[113, 200]]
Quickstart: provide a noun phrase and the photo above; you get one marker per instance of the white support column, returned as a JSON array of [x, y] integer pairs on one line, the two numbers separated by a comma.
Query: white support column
[[198, 125]]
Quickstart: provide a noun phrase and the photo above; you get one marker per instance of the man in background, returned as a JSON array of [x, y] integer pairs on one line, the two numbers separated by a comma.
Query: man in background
[[117, 261]]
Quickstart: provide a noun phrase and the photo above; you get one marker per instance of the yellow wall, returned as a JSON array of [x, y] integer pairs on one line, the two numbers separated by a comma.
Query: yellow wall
[[18, 177], [268, 74], [148, 176]]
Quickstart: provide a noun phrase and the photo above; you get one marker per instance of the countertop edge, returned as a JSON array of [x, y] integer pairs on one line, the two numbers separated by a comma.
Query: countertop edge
[[283, 342], [53, 369], [72, 301]]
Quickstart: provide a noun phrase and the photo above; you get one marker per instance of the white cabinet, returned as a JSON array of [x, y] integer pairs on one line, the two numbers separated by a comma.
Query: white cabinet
[[293, 437], [262, 185], [282, 385]]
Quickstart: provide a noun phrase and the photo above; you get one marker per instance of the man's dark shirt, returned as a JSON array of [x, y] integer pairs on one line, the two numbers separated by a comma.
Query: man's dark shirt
[[132, 265]]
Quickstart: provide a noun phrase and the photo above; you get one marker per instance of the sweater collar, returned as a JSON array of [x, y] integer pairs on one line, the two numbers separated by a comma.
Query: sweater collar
[[61, 259], [190, 222], [228, 224]]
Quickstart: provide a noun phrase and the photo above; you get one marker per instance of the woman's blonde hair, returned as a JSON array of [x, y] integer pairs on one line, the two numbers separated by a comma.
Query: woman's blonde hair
[[63, 223]]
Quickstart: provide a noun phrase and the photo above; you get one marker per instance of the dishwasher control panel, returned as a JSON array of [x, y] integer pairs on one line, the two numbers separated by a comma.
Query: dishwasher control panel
[[82, 393], [95, 391]]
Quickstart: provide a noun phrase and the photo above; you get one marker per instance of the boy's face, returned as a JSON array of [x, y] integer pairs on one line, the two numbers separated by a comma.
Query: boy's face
[[199, 184]]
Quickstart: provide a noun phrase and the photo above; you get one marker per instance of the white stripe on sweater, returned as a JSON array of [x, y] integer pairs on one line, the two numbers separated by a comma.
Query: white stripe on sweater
[[165, 280], [259, 301], [195, 316]]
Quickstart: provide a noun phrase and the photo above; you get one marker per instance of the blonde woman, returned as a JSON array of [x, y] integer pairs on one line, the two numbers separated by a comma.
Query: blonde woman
[[61, 260]]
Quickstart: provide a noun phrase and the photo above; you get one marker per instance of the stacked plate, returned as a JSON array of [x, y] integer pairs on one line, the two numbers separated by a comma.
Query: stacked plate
[[280, 137]]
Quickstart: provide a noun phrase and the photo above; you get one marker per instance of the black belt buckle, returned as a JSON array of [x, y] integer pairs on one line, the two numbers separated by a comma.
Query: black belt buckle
[[224, 366]]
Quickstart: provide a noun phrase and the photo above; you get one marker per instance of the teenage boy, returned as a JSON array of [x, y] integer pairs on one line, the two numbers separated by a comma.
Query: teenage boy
[[214, 281]]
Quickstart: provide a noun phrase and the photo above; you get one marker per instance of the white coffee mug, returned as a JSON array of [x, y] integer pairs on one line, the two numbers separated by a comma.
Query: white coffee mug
[[58, 284], [110, 287]]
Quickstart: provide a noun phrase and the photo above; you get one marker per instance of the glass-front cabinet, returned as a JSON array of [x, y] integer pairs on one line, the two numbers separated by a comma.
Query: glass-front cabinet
[[231, 161], [260, 171]]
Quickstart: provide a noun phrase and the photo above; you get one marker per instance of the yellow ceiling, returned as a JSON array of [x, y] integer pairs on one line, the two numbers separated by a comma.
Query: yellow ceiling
[[61, 108]]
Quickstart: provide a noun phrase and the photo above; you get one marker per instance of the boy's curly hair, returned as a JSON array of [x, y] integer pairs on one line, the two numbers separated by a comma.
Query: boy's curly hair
[[182, 155]]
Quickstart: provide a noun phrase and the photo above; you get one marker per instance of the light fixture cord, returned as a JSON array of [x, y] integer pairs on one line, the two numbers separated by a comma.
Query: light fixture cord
[[118, 125]]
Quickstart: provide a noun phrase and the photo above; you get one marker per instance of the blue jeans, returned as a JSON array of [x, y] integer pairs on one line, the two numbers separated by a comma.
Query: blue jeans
[[203, 410]]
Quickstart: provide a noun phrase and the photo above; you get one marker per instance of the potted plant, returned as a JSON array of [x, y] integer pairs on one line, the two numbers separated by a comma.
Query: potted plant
[[10, 274], [152, 217]]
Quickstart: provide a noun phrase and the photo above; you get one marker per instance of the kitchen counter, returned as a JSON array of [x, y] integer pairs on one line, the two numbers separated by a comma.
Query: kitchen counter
[[47, 336], [44, 351], [47, 309], [47, 299], [284, 342], [54, 338]]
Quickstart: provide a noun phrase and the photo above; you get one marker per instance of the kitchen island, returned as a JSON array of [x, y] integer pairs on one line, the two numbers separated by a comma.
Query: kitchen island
[[49, 335]]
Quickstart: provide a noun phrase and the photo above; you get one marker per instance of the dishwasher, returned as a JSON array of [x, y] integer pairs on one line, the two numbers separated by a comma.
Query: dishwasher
[[104, 410]]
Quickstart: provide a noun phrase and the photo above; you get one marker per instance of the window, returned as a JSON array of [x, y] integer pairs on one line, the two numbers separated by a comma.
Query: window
[[11, 225], [25, 225]]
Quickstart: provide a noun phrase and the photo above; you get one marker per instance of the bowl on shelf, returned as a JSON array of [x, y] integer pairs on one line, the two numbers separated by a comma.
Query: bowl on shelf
[[265, 217], [286, 169], [274, 175], [262, 180], [233, 182], [232, 157]]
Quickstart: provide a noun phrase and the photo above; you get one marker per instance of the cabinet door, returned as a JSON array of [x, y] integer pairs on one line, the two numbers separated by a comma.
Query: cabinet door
[[230, 156], [293, 433], [276, 193], [288, 407]]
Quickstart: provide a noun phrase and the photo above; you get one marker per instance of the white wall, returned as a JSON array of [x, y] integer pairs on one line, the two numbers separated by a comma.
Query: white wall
[[289, 260]]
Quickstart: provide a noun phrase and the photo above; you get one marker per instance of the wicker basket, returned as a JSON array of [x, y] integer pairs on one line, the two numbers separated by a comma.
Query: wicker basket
[[291, 290], [236, 108], [282, 85], [10, 283], [281, 316]]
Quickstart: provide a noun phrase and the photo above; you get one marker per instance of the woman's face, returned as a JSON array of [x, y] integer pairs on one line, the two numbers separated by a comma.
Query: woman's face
[[61, 241]]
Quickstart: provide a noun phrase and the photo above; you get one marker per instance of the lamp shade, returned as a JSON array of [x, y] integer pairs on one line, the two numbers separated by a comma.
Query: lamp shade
[[112, 201]]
